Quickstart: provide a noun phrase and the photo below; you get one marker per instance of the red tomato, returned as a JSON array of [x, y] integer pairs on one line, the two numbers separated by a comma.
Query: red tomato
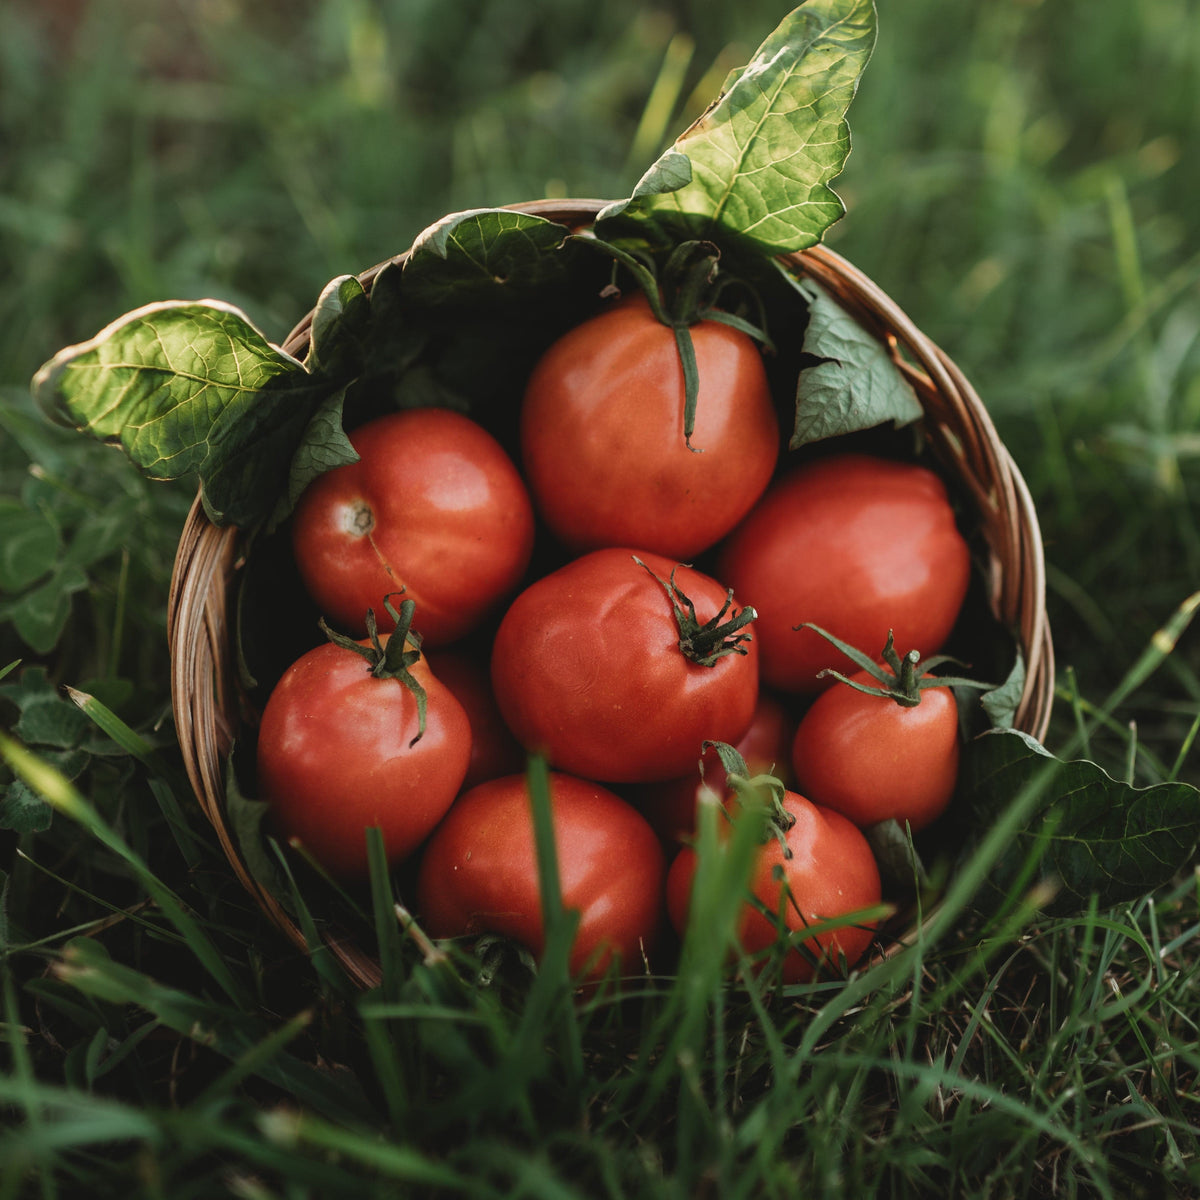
[[479, 872], [588, 669], [872, 759], [855, 544], [831, 872], [494, 750], [602, 435], [670, 807], [434, 506], [334, 757]]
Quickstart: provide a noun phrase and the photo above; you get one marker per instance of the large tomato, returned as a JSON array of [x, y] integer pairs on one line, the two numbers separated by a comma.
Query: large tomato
[[602, 434], [873, 759], [600, 667], [856, 544], [827, 871], [336, 754], [479, 871], [433, 507]]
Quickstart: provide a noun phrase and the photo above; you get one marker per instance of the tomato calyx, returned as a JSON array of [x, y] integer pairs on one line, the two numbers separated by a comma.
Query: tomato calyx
[[901, 679], [390, 660], [705, 644], [750, 791], [686, 291]]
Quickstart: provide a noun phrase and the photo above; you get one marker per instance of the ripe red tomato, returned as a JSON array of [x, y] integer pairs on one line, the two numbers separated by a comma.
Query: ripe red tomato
[[494, 750], [872, 759], [335, 755], [588, 668], [434, 506], [602, 435], [766, 746], [858, 545], [479, 871], [831, 872]]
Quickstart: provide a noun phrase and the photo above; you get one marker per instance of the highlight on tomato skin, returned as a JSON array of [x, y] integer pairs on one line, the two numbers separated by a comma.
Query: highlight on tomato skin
[[827, 871], [434, 507], [478, 872], [336, 754], [858, 544]]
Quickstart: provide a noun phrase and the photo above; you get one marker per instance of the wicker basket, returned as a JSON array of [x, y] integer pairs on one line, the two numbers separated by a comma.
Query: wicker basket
[[205, 699]]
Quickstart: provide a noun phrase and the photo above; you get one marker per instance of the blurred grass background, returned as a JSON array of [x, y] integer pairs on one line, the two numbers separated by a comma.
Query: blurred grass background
[[1024, 182]]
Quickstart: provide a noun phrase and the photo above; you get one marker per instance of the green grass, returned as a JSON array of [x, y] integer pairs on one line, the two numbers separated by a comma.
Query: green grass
[[1022, 183]]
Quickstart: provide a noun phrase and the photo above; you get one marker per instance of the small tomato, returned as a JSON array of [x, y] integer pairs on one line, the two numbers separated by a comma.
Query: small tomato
[[873, 759], [826, 871]]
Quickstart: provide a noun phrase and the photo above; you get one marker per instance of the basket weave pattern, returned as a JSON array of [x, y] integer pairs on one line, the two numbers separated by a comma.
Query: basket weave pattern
[[205, 699]]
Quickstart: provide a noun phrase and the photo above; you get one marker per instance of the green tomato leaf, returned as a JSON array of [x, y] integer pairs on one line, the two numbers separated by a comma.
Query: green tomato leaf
[[854, 385], [340, 332], [483, 256], [761, 157], [188, 387], [248, 819], [159, 379], [1089, 833], [1002, 702], [29, 545], [323, 446], [899, 863]]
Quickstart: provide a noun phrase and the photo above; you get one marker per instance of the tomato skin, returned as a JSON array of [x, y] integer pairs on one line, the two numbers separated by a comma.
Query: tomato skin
[[872, 759], [602, 441], [334, 758], [858, 545], [479, 874], [587, 670], [494, 750], [831, 872], [434, 506], [670, 806]]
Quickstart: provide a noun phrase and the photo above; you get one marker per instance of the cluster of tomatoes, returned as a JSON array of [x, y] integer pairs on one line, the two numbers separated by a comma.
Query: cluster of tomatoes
[[622, 662]]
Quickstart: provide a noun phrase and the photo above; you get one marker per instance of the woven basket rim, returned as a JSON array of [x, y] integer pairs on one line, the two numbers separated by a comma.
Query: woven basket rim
[[959, 429]]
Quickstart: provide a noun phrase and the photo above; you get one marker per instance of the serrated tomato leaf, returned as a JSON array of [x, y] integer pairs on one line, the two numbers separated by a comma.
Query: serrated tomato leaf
[[852, 383], [1088, 833], [341, 329], [159, 379], [759, 160], [484, 256], [323, 446], [191, 387]]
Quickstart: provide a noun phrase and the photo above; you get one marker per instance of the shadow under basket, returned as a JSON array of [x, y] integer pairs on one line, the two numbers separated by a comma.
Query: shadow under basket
[[200, 608]]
